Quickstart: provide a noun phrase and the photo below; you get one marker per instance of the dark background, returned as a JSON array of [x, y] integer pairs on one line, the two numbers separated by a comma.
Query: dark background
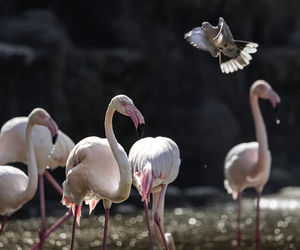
[[76, 55]]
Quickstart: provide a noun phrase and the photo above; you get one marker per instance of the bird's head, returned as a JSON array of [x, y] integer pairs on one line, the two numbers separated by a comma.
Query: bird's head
[[39, 116], [264, 90], [124, 105]]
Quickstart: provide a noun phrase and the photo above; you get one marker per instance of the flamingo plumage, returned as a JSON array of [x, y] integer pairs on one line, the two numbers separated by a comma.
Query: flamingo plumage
[[16, 188], [98, 169], [155, 163], [248, 164], [13, 149]]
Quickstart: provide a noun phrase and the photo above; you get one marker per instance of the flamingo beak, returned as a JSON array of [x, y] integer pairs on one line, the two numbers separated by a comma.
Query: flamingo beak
[[276, 110], [140, 130], [53, 128], [54, 138]]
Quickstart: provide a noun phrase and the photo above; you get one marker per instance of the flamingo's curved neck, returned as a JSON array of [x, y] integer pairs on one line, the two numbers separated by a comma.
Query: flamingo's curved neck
[[260, 130], [32, 168], [120, 155]]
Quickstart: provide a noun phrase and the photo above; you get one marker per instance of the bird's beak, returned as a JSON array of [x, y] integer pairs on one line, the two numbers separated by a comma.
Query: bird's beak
[[276, 110], [54, 138], [53, 128], [140, 130]]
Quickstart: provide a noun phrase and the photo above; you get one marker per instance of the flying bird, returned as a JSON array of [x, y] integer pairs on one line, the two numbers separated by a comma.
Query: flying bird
[[219, 42], [248, 164], [98, 169], [13, 149], [155, 163], [16, 188]]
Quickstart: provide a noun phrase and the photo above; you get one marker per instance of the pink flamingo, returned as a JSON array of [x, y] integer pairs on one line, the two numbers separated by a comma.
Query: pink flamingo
[[155, 163], [15, 187], [13, 149], [248, 164], [99, 169]]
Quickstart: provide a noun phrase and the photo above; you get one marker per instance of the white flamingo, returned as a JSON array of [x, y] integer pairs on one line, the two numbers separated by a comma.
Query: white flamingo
[[155, 163], [99, 169], [15, 187], [13, 149], [248, 164]]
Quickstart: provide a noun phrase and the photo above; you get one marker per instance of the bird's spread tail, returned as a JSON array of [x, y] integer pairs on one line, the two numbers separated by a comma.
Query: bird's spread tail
[[229, 65], [71, 204]]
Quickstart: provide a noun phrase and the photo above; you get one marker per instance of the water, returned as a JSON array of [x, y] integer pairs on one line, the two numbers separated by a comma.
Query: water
[[209, 227]]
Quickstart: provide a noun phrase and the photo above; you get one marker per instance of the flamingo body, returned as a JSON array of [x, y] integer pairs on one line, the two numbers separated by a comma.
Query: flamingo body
[[155, 163], [17, 182], [13, 148], [90, 160], [239, 163]]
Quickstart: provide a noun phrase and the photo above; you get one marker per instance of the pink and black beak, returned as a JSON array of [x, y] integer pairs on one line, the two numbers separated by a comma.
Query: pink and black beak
[[275, 101], [53, 128], [137, 119]]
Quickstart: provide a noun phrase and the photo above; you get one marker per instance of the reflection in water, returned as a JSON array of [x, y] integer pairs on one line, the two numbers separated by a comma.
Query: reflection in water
[[210, 227]]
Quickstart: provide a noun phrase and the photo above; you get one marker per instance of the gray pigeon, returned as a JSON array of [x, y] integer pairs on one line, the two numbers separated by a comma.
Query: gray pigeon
[[218, 41]]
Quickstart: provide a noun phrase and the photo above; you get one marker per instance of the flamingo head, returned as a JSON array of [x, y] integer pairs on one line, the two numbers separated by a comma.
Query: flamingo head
[[264, 90], [125, 106], [40, 116]]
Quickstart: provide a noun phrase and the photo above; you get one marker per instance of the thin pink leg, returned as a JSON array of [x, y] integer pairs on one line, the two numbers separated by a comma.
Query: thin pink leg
[[53, 182], [54, 226], [43, 211], [148, 225], [258, 240], [156, 215], [3, 223], [74, 226], [105, 228], [239, 235]]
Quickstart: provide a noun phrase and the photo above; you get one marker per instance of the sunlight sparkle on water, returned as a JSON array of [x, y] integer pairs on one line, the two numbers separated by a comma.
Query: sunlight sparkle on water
[[279, 204]]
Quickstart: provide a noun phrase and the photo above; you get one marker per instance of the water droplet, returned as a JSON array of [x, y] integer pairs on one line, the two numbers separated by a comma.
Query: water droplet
[[277, 121]]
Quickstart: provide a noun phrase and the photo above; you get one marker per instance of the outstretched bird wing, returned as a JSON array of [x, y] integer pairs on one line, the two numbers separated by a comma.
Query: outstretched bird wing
[[197, 38]]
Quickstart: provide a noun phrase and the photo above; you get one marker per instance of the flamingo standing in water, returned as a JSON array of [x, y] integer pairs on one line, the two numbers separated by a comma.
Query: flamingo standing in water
[[155, 163], [13, 149], [248, 164], [99, 169], [15, 187]]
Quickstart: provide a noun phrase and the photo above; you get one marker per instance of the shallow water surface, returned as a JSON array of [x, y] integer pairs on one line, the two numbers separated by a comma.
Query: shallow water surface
[[209, 227]]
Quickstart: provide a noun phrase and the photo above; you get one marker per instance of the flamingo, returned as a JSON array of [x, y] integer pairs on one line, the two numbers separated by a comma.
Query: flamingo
[[155, 163], [98, 168], [15, 187], [248, 164], [13, 149]]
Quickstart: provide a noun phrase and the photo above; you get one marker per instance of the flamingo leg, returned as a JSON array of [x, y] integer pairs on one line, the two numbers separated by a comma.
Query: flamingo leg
[[157, 218], [43, 211], [105, 228], [53, 182], [258, 239], [74, 227], [239, 235], [107, 205], [54, 226], [3, 223], [148, 225]]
